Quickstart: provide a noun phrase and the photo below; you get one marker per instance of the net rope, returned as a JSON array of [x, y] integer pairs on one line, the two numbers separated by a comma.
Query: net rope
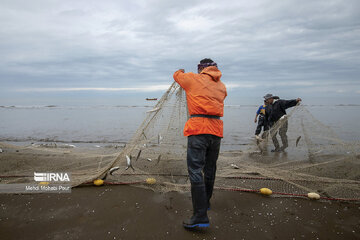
[[317, 160]]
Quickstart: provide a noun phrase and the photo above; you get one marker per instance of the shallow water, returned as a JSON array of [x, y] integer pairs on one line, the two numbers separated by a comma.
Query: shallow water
[[101, 125]]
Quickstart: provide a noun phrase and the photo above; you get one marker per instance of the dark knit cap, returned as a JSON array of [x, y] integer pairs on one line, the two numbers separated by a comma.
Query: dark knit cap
[[206, 62]]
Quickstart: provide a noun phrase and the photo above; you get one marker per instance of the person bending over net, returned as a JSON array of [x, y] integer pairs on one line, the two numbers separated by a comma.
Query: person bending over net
[[205, 95], [275, 113]]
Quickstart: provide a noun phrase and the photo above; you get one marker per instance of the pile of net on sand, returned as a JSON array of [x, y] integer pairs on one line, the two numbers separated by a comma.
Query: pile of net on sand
[[18, 164], [315, 161]]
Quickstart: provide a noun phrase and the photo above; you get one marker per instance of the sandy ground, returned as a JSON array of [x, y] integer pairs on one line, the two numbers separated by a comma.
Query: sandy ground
[[125, 212]]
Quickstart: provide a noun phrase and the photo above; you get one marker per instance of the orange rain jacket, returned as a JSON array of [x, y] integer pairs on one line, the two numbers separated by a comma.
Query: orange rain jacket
[[205, 94]]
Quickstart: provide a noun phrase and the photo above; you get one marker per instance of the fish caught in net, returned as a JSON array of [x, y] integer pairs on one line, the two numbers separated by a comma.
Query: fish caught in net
[[316, 160]]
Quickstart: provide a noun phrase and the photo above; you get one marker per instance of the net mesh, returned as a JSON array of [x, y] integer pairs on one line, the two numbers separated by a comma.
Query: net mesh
[[158, 147], [18, 164], [315, 161]]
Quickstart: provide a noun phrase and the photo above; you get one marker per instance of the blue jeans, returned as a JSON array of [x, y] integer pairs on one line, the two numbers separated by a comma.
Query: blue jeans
[[202, 154]]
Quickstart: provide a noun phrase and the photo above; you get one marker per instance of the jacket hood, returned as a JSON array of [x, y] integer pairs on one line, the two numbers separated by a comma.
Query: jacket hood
[[213, 72]]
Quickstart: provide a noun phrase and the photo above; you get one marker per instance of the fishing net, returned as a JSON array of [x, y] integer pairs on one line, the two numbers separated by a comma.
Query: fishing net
[[158, 147], [18, 164], [315, 161]]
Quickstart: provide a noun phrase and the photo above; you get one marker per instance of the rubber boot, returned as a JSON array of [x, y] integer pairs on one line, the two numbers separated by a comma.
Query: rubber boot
[[199, 218], [276, 150], [283, 148], [285, 143], [283, 136], [209, 187]]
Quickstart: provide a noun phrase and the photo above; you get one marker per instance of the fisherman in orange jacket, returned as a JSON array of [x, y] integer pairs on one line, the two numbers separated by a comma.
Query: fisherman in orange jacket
[[205, 95]]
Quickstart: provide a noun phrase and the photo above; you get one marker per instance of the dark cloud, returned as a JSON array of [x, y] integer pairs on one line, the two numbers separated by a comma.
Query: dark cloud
[[289, 46]]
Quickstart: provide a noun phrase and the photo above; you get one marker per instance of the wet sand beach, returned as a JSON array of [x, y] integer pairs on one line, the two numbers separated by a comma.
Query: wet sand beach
[[129, 212], [125, 212]]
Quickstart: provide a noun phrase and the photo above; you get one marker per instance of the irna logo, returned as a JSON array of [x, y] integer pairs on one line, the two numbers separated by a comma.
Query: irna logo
[[51, 177]]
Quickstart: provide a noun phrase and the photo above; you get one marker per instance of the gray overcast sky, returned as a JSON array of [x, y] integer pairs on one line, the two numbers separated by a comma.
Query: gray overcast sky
[[108, 51]]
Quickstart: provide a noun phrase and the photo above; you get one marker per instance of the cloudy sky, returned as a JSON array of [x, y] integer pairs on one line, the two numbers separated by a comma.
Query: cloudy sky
[[118, 52]]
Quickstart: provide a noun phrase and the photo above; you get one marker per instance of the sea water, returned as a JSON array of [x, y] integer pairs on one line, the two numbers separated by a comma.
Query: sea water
[[92, 126]]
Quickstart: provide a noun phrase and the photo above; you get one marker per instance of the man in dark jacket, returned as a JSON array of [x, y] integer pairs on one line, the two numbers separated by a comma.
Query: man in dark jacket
[[277, 119]]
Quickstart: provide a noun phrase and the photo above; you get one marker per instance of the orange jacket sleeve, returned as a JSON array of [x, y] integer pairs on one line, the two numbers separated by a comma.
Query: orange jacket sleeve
[[183, 79]]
